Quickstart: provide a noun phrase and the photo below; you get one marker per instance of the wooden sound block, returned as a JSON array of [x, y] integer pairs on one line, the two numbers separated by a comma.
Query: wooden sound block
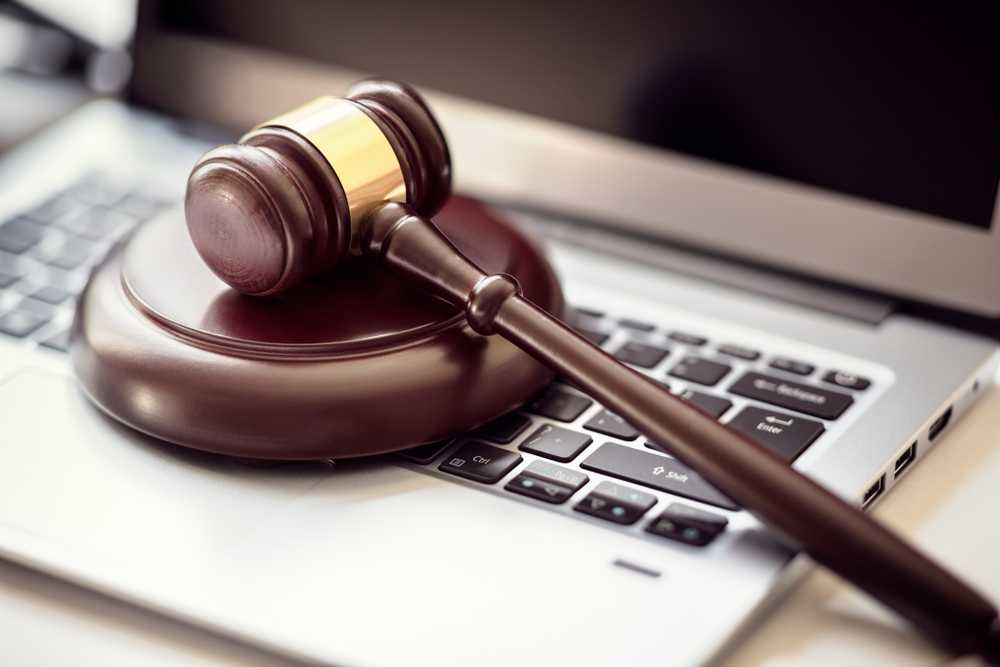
[[349, 364]]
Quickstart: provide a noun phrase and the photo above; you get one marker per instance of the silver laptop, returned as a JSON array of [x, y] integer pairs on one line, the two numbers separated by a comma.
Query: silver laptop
[[585, 547]]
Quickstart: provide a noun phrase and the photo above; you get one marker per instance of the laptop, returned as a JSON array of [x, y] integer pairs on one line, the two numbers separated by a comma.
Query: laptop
[[705, 276]]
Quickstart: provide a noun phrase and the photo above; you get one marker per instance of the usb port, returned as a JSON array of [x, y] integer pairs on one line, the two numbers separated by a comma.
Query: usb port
[[874, 492], [939, 425], [905, 459]]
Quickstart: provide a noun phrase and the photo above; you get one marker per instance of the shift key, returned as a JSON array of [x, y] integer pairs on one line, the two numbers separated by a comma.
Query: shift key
[[654, 471]]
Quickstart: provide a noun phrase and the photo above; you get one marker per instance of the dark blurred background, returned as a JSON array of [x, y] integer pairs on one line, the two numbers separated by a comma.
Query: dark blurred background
[[893, 101]]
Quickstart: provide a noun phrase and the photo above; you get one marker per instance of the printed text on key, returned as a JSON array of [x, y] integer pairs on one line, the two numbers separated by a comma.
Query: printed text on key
[[806, 399]]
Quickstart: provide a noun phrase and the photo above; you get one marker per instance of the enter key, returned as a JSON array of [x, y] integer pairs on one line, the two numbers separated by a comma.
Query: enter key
[[785, 435]]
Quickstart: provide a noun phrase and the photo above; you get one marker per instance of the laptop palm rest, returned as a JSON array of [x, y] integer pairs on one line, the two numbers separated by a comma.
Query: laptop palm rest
[[358, 562]]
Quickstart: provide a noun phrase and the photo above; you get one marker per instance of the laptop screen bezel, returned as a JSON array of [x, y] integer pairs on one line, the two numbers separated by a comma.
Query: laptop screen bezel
[[510, 157]]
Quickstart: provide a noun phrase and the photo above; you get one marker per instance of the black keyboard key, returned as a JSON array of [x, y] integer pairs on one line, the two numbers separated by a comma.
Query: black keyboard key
[[714, 406], [503, 429], [700, 370], [637, 325], [741, 352], [848, 380], [616, 503], [66, 262], [560, 405], [480, 462], [539, 489], [594, 337], [35, 307], [687, 524], [609, 510], [58, 342], [550, 472], [17, 323], [589, 312], [640, 354], [555, 442], [424, 454], [16, 266], [58, 207], [792, 395], [19, 234], [785, 435], [97, 223], [77, 250], [608, 423], [687, 339], [138, 206], [625, 494], [792, 366], [6, 280], [50, 294], [656, 448], [74, 252], [99, 192], [655, 471]]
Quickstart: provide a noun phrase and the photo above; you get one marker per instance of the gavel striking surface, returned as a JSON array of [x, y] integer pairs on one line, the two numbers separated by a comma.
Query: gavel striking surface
[[352, 363]]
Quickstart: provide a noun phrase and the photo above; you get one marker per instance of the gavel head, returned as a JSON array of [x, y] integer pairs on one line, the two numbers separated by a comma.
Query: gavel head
[[287, 201]]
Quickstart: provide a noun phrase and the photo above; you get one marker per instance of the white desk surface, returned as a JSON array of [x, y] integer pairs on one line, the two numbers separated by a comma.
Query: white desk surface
[[948, 504]]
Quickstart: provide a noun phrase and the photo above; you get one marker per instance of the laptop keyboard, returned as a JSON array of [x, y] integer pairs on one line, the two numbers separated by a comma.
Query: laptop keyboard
[[47, 253], [564, 451], [561, 450]]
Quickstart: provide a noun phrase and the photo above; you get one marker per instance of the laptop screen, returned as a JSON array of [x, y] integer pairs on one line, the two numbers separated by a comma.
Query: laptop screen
[[895, 102], [894, 105]]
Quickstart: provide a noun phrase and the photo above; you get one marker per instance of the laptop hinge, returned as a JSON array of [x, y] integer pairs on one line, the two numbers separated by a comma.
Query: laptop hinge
[[827, 297]]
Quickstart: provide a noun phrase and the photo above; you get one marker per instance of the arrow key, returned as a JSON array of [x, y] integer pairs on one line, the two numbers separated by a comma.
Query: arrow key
[[541, 490], [616, 502], [687, 524]]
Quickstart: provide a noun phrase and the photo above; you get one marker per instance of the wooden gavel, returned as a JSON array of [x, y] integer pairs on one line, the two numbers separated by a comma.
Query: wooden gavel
[[360, 175]]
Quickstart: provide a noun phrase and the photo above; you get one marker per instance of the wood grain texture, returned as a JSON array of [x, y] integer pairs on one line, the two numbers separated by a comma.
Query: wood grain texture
[[352, 363], [287, 201]]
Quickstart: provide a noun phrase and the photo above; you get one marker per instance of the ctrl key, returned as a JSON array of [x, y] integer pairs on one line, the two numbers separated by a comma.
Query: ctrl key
[[480, 462], [687, 524]]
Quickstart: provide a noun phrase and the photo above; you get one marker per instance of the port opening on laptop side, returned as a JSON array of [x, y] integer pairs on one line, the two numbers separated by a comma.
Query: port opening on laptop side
[[939, 425], [873, 492]]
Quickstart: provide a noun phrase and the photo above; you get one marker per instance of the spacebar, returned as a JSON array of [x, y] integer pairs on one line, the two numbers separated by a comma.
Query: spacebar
[[655, 471]]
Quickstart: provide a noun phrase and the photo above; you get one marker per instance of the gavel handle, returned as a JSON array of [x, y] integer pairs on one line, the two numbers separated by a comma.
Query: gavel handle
[[804, 514]]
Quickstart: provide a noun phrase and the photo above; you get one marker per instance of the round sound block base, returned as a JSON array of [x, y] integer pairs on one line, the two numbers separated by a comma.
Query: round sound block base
[[351, 363]]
